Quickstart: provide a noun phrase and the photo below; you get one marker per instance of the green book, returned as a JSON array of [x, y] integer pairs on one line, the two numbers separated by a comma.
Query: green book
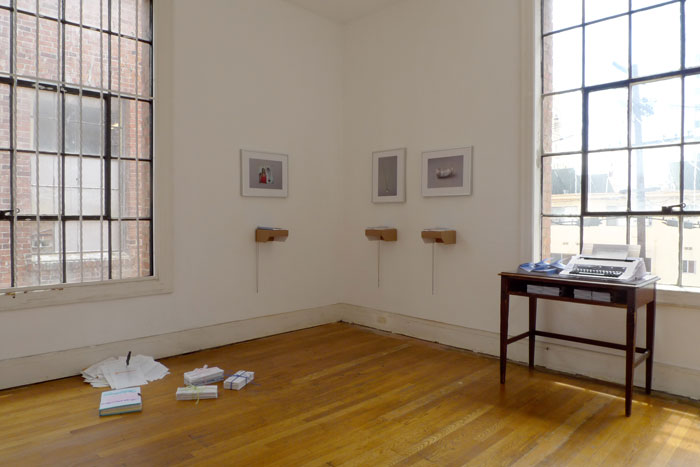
[[120, 401]]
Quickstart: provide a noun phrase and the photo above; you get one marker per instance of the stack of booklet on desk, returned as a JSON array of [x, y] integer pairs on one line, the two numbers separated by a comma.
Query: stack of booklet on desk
[[584, 294], [191, 393], [543, 290]]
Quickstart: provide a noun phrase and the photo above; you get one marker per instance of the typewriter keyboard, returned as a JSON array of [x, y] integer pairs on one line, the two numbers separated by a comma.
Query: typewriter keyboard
[[599, 271]]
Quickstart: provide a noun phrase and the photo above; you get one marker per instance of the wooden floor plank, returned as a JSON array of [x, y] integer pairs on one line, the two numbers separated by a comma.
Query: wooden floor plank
[[346, 395]]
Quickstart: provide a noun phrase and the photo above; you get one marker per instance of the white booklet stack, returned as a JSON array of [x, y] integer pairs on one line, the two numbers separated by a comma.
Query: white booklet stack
[[120, 401], [205, 375], [238, 380], [191, 393]]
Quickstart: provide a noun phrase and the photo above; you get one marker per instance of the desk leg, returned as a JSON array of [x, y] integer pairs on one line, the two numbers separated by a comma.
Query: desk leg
[[629, 353], [533, 326], [651, 323], [505, 297]]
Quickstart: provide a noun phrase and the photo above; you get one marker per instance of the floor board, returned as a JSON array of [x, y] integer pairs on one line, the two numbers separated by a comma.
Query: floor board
[[346, 395]]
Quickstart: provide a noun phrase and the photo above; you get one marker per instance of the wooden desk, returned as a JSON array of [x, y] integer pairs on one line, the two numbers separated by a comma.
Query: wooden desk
[[629, 296]]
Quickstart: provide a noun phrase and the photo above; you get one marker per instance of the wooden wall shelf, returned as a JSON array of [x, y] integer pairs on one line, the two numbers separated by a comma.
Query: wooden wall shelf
[[448, 237], [270, 235], [387, 234]]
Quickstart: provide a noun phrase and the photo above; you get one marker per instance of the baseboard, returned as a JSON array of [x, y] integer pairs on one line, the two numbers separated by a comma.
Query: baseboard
[[584, 360], [37, 368]]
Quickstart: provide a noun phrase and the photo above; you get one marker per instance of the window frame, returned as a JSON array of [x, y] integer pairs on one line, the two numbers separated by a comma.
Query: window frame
[[161, 280], [536, 49]]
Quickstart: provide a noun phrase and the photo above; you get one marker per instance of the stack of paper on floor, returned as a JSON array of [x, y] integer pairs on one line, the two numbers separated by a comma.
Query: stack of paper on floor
[[120, 401], [141, 371], [239, 379], [202, 376], [191, 393]]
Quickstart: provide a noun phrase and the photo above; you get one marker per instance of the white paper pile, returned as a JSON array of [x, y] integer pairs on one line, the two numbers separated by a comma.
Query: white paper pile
[[583, 294], [114, 372], [239, 379], [191, 393], [601, 296], [205, 375]]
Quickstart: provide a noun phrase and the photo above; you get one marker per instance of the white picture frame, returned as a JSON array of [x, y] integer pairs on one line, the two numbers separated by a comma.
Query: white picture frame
[[264, 174], [389, 176], [447, 172]]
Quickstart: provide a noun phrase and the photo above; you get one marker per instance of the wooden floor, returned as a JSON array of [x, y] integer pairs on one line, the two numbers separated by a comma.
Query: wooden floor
[[346, 395]]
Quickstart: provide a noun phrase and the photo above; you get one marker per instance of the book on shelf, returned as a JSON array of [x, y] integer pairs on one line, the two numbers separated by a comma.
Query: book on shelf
[[120, 401]]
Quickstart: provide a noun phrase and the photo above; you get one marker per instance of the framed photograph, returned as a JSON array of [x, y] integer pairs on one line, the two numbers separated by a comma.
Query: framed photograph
[[447, 172], [263, 174], [389, 176]]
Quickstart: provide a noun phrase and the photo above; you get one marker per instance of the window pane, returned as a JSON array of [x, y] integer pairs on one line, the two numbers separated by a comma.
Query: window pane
[[692, 108], [26, 44], [607, 51], [611, 230], [656, 112], [560, 237], [597, 9], [48, 8], [655, 178], [607, 181], [94, 55], [48, 119], [48, 187], [562, 61], [692, 33], [4, 41], [128, 17], [5, 258], [607, 119], [691, 177], [48, 49], [92, 128], [37, 253], [90, 239], [5, 174], [658, 237], [561, 184], [144, 69], [691, 252], [91, 12], [145, 20], [131, 189], [561, 128], [131, 258], [4, 116], [656, 40], [131, 128], [84, 186], [559, 14]]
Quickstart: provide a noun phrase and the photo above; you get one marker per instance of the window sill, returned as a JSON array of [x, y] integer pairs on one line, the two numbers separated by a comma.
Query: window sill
[[683, 297], [64, 294]]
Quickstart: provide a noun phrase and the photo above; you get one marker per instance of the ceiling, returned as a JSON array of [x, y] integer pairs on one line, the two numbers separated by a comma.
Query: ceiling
[[343, 11]]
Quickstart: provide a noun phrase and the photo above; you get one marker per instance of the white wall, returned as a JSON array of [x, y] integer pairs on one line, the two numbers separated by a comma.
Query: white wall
[[430, 75], [256, 74]]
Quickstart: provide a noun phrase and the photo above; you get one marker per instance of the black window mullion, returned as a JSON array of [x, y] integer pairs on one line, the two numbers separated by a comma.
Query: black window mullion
[[108, 142]]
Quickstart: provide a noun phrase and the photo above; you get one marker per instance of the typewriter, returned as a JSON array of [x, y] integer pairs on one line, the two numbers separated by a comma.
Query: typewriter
[[607, 262]]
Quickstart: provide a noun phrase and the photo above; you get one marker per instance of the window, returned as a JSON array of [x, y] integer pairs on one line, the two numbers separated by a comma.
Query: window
[[620, 149], [76, 153], [688, 266]]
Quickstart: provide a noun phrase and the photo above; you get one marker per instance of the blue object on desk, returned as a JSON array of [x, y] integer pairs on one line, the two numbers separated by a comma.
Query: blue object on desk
[[543, 267]]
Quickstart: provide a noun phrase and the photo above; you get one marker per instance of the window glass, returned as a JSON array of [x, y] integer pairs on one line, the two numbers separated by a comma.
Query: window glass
[[607, 119], [607, 181], [691, 108], [607, 54], [655, 175], [656, 40], [658, 238], [562, 70], [560, 237], [692, 32], [691, 177], [561, 184], [597, 9], [691, 251], [655, 111], [560, 14], [561, 131]]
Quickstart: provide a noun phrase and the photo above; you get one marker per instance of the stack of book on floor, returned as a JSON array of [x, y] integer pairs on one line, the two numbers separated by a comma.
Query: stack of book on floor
[[205, 375], [120, 401], [238, 380], [191, 393]]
